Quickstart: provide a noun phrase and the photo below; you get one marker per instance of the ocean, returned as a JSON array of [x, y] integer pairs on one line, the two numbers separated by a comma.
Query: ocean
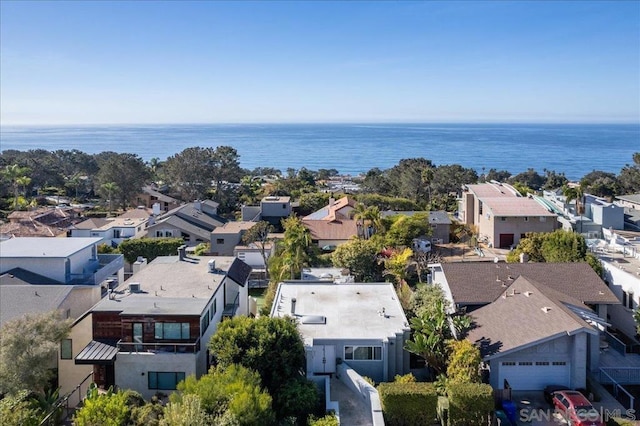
[[575, 149]]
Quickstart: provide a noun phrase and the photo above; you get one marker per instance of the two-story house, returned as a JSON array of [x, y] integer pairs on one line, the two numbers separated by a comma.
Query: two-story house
[[225, 238], [272, 209], [333, 224], [502, 216], [113, 231], [152, 331], [192, 222]]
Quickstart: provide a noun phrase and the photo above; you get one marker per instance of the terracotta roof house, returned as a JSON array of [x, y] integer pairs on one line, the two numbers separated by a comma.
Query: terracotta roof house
[[152, 331], [536, 323], [332, 225], [42, 222], [193, 222], [362, 324], [502, 215]]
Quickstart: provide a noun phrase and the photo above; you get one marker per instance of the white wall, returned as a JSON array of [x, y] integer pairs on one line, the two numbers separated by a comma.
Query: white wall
[[132, 369], [620, 280], [49, 267]]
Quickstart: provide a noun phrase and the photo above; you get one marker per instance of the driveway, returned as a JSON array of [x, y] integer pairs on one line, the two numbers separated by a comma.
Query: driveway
[[533, 410]]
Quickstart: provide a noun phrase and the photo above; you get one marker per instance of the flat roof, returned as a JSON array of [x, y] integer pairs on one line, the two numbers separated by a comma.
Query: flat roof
[[516, 206], [352, 311], [169, 285], [44, 247], [234, 227]]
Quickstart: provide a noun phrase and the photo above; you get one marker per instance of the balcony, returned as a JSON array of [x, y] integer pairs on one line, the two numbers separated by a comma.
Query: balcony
[[104, 266], [160, 348]]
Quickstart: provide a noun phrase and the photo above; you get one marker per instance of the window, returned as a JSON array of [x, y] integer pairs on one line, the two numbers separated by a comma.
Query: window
[[284, 206], [95, 234], [214, 308], [480, 208], [526, 218], [627, 299], [164, 380], [117, 233], [624, 298], [363, 353], [508, 363], [66, 349], [558, 363], [525, 363], [172, 331], [162, 234], [204, 323], [220, 241], [503, 219], [542, 362]]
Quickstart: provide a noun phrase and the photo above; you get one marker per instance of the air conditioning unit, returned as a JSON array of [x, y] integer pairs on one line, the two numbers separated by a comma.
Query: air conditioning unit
[[212, 265], [134, 288]]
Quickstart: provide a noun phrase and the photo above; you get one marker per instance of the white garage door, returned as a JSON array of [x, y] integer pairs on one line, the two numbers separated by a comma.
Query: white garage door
[[532, 375]]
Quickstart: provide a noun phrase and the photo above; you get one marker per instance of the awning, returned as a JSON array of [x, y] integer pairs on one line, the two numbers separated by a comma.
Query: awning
[[97, 353]]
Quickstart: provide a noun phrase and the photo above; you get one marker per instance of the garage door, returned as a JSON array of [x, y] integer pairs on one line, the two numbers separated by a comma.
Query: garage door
[[532, 375]]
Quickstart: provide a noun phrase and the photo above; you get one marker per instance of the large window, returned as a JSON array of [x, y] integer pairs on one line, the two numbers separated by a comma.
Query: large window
[[164, 380], [66, 349], [363, 353], [204, 323], [172, 331]]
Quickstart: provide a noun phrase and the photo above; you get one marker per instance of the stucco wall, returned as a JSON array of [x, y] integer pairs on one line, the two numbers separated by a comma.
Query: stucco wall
[[80, 300], [70, 374], [49, 267], [132, 369], [620, 280]]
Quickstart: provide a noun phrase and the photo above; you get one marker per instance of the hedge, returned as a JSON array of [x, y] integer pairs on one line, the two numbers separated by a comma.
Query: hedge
[[149, 248], [408, 404], [469, 403]]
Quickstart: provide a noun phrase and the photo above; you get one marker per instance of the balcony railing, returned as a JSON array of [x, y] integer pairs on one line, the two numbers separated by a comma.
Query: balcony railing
[[174, 347], [104, 266]]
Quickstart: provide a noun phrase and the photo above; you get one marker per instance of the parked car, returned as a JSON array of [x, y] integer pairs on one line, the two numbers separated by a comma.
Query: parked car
[[549, 391], [576, 408], [329, 248]]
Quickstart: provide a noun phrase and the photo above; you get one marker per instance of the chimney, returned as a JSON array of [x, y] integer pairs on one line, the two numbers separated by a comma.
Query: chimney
[[331, 201], [156, 209], [182, 252], [197, 205], [293, 306]]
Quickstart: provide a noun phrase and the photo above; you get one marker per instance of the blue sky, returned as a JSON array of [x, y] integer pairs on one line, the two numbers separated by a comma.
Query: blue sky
[[230, 62]]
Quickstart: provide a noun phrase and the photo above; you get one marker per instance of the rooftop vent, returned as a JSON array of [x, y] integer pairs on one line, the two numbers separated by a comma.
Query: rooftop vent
[[528, 293], [212, 265], [313, 319], [293, 306], [545, 309], [134, 288]]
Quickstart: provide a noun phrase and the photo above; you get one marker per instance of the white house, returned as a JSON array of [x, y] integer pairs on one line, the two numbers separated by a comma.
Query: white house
[[113, 231], [362, 325]]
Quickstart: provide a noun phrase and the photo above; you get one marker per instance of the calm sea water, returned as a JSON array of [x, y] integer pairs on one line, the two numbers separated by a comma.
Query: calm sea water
[[356, 148]]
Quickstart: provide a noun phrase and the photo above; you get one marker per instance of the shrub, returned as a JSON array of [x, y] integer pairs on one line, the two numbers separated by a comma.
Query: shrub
[[150, 248], [408, 404], [328, 420], [469, 403]]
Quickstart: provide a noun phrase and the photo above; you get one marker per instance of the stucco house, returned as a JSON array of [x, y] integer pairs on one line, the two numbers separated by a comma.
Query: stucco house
[[192, 222], [64, 260], [113, 231], [225, 238], [152, 331], [501, 215], [536, 323], [272, 209], [361, 324]]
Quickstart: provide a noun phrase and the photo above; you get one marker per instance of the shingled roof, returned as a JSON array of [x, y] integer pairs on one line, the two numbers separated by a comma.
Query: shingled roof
[[536, 313], [480, 283]]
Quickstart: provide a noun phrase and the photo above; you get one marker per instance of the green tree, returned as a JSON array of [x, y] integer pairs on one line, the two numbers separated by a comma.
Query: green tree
[[312, 201], [423, 300], [111, 188], [295, 246], [576, 193], [497, 175], [464, 362], [259, 236], [431, 335], [530, 179], [564, 246], [191, 172], [359, 256], [127, 171], [225, 169], [27, 346], [629, 177], [186, 412], [554, 180], [397, 265], [272, 347], [15, 175], [411, 178], [601, 184], [450, 178], [110, 409], [19, 410], [404, 229], [230, 392]]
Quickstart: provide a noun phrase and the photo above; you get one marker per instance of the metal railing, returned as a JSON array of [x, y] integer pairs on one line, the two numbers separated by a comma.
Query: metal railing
[[623, 375], [616, 343], [617, 387], [174, 347], [63, 403]]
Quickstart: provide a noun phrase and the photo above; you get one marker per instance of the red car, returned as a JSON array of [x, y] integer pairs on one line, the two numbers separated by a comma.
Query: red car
[[576, 409]]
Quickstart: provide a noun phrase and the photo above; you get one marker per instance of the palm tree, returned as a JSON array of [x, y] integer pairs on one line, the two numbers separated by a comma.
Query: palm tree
[[110, 187], [13, 173], [296, 241]]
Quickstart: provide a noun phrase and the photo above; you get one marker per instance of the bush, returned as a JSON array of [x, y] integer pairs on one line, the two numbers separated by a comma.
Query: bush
[[408, 404], [149, 248], [328, 420], [469, 403]]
